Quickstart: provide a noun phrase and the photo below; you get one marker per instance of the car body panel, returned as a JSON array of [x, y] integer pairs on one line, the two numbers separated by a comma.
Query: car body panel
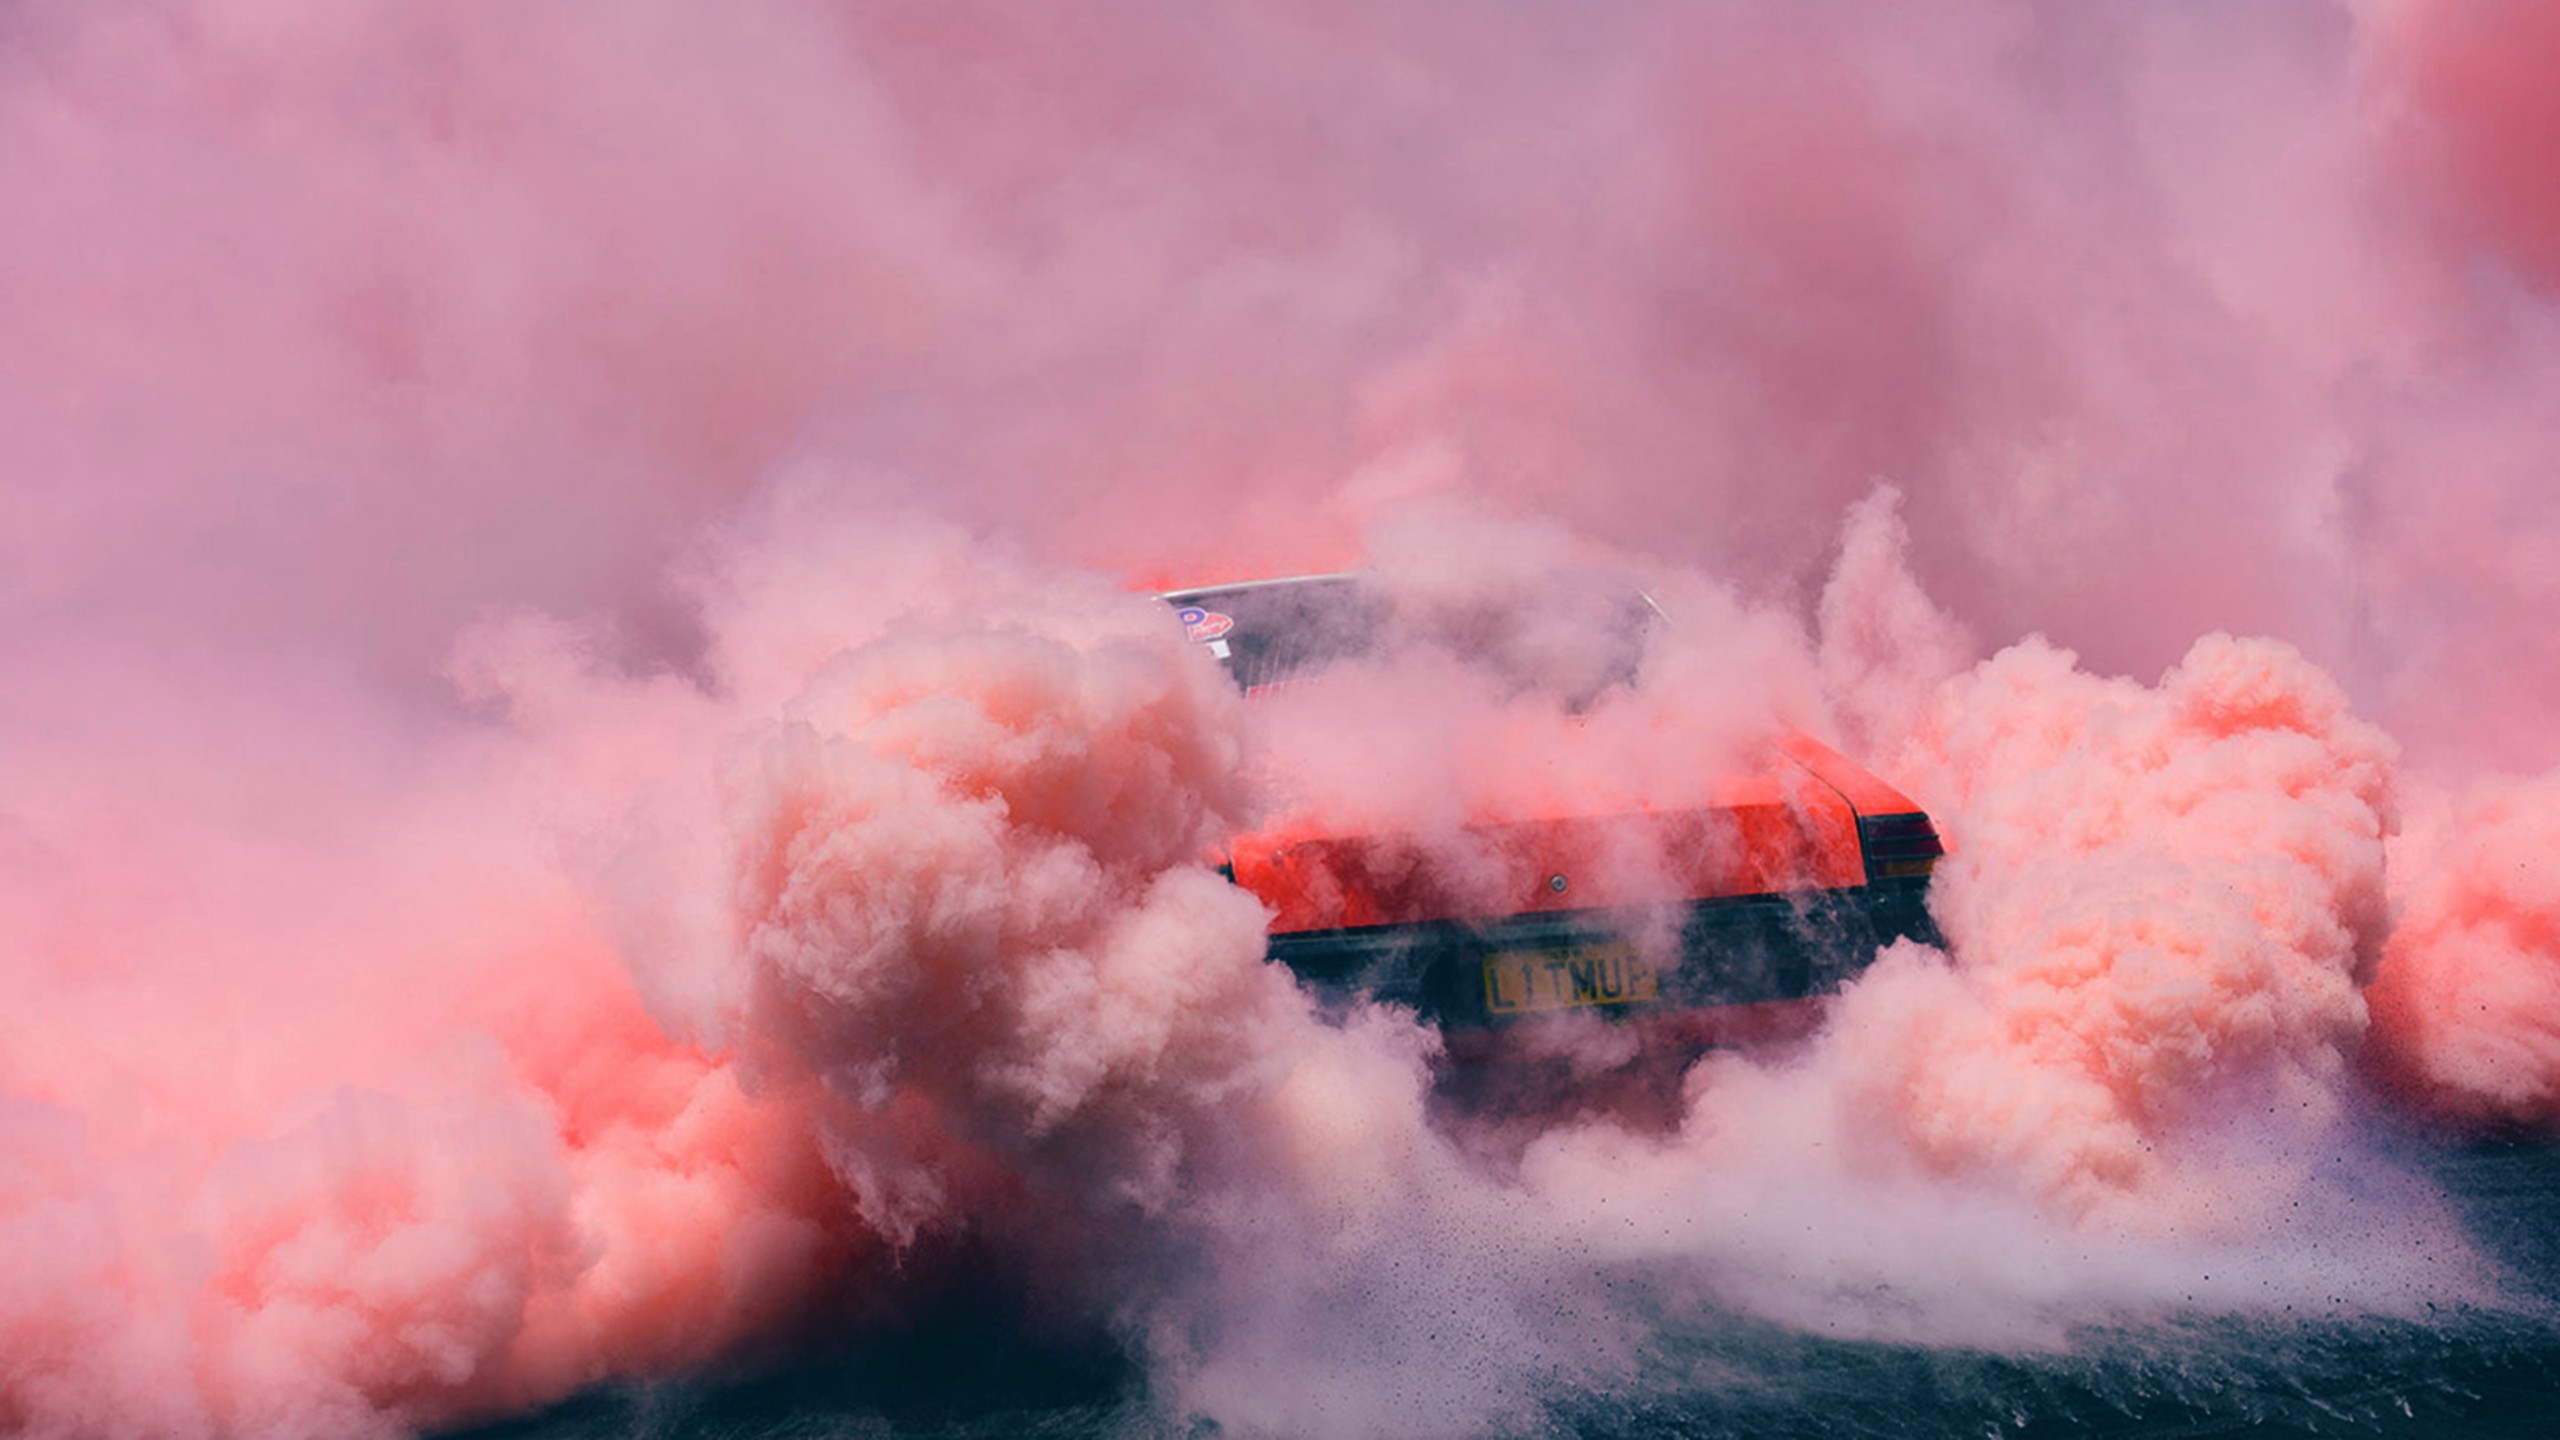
[[1716, 919], [1751, 836]]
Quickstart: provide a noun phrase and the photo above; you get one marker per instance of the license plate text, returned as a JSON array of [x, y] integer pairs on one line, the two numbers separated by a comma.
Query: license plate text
[[1520, 981]]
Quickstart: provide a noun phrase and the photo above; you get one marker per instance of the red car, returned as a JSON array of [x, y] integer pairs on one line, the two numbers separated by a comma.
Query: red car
[[1790, 875]]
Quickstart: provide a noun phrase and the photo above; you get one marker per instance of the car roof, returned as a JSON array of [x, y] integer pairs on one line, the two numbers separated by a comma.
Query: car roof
[[1196, 592]]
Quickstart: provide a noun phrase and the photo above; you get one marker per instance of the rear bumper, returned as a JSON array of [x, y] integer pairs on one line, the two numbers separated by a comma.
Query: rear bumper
[[1725, 971]]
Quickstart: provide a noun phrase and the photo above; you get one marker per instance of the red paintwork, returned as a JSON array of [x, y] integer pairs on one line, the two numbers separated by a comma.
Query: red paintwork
[[1792, 827], [1864, 792]]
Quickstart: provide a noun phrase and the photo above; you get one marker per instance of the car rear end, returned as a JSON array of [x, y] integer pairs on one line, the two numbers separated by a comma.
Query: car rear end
[[1756, 897]]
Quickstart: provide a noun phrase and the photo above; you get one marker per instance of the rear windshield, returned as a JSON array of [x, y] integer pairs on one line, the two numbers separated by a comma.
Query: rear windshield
[[1278, 630], [1572, 636]]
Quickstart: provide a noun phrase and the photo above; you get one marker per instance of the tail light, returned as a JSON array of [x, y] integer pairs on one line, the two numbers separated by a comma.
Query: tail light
[[1899, 847]]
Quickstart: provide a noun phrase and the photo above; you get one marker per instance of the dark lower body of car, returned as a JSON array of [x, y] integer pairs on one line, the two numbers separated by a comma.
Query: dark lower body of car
[[1509, 994]]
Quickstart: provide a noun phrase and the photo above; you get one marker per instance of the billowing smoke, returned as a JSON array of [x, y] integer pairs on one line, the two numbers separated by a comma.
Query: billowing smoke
[[587, 778]]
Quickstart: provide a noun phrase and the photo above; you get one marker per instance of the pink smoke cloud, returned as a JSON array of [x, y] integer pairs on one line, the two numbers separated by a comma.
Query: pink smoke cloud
[[2170, 918], [2463, 1001], [2469, 73], [354, 1142], [515, 871]]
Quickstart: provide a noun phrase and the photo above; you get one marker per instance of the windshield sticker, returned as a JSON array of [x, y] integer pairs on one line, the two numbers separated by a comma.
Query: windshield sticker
[[1202, 624]]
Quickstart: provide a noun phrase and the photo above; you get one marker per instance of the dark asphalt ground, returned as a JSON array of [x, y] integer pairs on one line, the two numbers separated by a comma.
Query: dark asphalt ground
[[965, 1372]]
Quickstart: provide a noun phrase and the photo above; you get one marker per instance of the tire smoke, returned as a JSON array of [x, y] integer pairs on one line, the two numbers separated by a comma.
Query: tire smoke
[[585, 776]]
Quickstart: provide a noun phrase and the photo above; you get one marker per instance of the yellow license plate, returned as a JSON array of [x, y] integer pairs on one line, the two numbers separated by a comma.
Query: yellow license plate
[[1522, 981]]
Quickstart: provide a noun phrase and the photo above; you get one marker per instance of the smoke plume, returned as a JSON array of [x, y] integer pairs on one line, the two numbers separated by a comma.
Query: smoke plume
[[587, 772]]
